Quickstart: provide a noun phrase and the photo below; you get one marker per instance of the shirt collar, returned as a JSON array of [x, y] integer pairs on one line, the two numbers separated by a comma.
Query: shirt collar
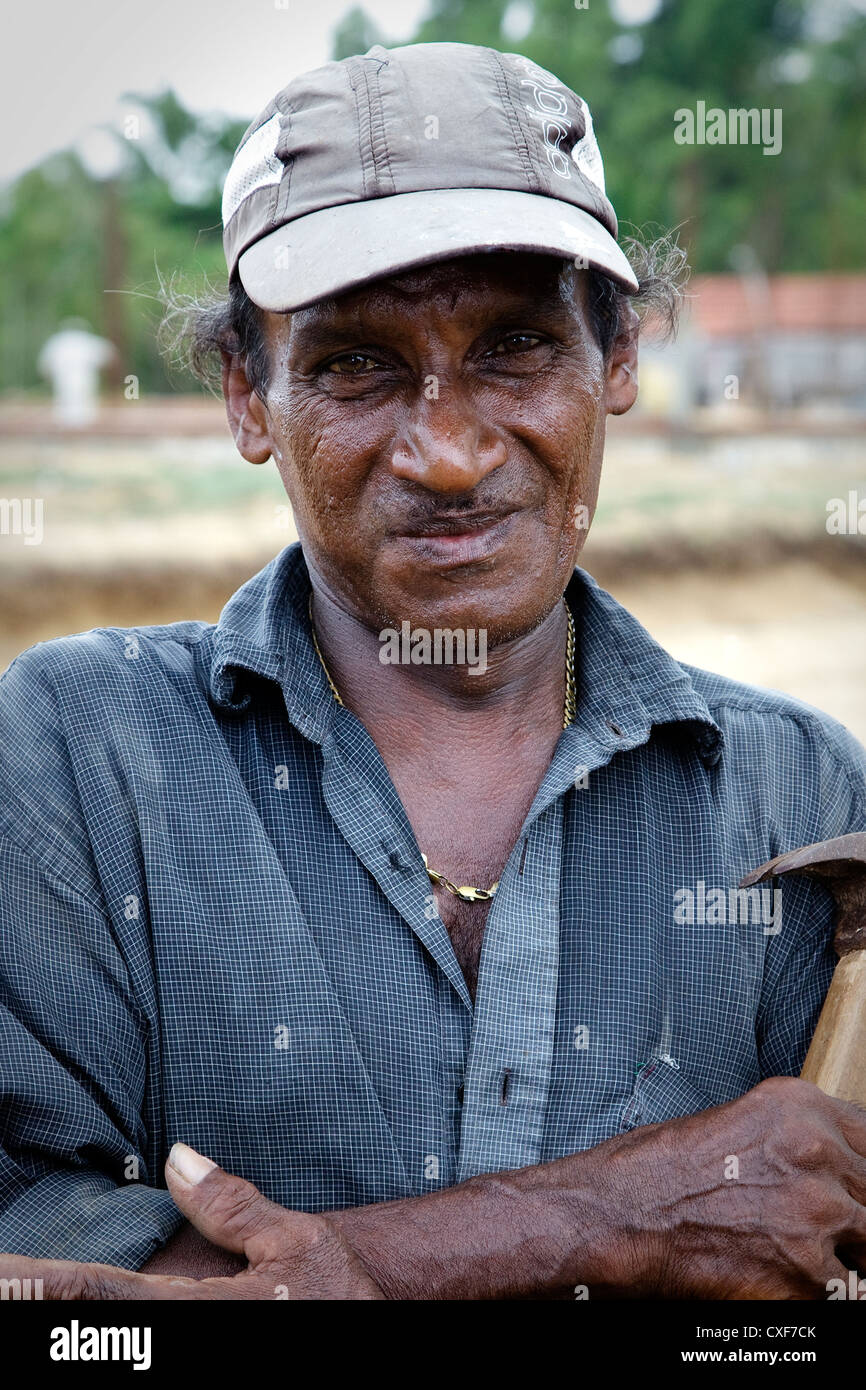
[[626, 682]]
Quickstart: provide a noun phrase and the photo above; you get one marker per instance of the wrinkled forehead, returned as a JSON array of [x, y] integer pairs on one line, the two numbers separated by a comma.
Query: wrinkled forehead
[[496, 282]]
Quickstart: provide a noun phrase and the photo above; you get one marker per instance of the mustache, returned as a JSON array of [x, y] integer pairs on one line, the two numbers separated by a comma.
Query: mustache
[[456, 514]]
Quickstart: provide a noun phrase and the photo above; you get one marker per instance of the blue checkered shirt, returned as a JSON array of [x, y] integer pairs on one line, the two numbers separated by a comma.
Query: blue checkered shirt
[[216, 925]]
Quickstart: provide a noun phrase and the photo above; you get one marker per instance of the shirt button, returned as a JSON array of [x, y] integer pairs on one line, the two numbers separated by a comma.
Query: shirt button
[[615, 729]]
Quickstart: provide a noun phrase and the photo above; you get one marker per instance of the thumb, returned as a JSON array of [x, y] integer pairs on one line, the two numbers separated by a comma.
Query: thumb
[[229, 1211]]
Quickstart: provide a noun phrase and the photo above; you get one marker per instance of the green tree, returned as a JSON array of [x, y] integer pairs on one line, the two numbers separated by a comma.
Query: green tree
[[356, 33]]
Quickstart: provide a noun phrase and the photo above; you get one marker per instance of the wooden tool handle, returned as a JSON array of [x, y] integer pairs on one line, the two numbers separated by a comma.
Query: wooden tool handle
[[836, 1060]]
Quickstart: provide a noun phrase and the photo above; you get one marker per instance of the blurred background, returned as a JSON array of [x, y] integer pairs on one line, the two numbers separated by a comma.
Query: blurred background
[[732, 518]]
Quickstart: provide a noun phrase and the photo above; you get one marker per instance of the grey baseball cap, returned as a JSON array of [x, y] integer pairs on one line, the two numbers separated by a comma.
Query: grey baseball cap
[[367, 167]]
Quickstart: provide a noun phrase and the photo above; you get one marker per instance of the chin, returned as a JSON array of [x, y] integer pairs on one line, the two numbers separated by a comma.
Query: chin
[[504, 609]]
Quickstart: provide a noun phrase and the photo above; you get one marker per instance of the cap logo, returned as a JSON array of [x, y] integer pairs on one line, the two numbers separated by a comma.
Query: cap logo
[[550, 102]]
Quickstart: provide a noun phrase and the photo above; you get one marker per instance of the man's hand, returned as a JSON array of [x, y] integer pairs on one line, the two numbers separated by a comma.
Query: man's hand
[[756, 1199], [287, 1254]]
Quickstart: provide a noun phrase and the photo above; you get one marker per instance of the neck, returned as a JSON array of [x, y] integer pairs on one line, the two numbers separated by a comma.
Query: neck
[[522, 687]]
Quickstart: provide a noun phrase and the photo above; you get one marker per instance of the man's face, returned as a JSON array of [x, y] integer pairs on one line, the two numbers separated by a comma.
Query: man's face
[[440, 437]]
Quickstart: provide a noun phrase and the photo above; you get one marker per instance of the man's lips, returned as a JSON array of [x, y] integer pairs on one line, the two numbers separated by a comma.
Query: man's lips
[[457, 540]]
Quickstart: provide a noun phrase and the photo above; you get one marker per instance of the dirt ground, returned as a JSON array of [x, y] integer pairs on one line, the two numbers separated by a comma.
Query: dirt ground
[[794, 627]]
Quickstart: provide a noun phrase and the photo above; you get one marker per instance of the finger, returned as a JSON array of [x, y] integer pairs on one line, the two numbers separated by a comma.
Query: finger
[[306, 1250], [856, 1177], [71, 1281], [851, 1172], [849, 1125], [229, 1211], [851, 1120]]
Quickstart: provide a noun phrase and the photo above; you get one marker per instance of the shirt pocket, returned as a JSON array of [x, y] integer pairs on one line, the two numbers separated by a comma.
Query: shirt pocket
[[662, 1092]]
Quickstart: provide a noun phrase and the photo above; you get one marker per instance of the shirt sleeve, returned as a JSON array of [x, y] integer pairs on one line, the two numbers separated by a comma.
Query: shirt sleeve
[[74, 1182], [74, 1177]]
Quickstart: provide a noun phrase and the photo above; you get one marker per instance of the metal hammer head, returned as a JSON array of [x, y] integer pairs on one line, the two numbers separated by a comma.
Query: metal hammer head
[[841, 864]]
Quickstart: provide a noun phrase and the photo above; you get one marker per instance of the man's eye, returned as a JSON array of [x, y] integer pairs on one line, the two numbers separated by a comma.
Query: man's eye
[[351, 364], [516, 342]]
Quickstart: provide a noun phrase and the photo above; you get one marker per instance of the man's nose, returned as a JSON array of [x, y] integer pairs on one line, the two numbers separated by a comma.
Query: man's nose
[[445, 445]]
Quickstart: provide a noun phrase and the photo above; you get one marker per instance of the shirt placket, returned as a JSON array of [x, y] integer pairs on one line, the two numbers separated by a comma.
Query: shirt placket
[[508, 1074], [508, 1078]]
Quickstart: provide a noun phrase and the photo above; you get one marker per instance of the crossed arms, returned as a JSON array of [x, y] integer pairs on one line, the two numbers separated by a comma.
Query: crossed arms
[[647, 1214]]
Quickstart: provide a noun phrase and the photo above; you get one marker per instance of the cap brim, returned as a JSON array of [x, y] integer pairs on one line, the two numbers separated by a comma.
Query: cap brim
[[329, 252]]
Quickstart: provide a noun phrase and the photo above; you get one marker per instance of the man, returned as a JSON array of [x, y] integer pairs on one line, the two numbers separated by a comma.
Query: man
[[401, 942]]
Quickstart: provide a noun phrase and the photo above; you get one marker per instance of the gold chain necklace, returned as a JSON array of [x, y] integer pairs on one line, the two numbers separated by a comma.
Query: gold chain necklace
[[466, 892]]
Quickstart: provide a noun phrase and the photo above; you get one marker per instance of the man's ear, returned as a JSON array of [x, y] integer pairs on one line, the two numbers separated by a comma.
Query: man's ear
[[620, 392], [247, 417]]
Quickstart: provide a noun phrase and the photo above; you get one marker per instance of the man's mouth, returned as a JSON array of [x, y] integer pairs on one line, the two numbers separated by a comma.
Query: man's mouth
[[458, 539]]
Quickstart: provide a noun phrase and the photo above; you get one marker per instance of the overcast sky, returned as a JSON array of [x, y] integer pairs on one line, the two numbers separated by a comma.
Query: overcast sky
[[67, 63]]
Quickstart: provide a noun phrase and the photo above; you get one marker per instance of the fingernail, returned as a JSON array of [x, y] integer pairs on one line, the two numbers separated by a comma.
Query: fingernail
[[188, 1164]]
